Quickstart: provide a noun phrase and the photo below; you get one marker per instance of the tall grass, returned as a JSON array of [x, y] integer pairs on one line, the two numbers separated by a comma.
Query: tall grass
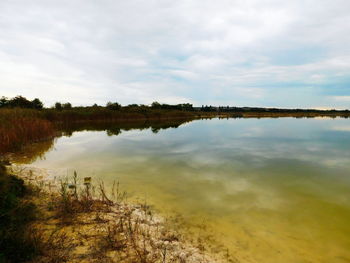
[[124, 114], [19, 127]]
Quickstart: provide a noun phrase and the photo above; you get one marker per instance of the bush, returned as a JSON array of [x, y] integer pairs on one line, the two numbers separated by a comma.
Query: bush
[[113, 106], [21, 102]]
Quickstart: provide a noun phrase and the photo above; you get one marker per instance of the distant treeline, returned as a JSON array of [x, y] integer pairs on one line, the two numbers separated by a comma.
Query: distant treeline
[[22, 102], [259, 109]]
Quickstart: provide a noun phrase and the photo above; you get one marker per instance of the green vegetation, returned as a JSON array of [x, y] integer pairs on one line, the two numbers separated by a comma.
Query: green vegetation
[[23, 121], [16, 242], [20, 102], [271, 112]]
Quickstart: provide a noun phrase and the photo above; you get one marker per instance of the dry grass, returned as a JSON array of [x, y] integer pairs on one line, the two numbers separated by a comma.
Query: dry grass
[[19, 127], [81, 223]]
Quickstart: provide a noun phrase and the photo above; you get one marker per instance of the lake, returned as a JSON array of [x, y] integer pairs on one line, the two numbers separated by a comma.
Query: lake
[[269, 190]]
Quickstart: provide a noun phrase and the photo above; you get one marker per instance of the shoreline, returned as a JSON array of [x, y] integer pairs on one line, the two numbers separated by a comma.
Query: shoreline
[[19, 127], [117, 231]]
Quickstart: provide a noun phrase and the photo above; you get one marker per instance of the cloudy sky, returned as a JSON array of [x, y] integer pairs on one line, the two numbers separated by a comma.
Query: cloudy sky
[[291, 53]]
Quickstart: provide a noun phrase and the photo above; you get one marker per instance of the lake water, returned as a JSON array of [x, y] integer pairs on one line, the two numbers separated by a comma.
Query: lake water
[[270, 190]]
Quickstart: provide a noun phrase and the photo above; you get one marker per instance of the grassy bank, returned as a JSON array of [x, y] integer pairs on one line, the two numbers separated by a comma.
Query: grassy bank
[[81, 222], [16, 214], [72, 220]]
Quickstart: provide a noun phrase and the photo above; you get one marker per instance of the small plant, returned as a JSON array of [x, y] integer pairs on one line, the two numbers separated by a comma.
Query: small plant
[[118, 195], [115, 238], [108, 231]]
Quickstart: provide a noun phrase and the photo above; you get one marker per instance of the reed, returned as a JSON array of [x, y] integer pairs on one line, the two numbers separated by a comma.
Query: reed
[[19, 127], [124, 114]]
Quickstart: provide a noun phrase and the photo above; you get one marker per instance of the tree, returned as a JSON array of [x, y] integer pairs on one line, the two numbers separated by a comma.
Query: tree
[[3, 102], [58, 106], [113, 106], [20, 102], [133, 105], [186, 106], [156, 105], [66, 106], [37, 104]]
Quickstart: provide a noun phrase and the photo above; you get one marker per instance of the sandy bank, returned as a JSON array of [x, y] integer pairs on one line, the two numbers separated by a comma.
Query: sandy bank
[[79, 223]]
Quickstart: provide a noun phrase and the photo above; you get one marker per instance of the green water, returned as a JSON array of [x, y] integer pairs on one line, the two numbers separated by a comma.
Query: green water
[[270, 190]]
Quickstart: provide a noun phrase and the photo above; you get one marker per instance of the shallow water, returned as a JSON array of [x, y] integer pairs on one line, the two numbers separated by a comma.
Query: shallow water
[[270, 190]]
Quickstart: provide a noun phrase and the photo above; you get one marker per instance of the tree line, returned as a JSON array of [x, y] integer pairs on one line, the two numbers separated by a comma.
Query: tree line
[[22, 102], [206, 108]]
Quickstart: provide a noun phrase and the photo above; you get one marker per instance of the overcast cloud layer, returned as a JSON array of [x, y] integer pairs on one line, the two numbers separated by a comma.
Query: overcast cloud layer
[[252, 52]]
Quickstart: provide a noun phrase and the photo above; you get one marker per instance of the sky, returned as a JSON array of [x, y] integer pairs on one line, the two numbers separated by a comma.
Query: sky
[[269, 53]]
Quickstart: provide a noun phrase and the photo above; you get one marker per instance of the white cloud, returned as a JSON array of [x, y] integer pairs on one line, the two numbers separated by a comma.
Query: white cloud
[[183, 74], [200, 51], [342, 98]]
